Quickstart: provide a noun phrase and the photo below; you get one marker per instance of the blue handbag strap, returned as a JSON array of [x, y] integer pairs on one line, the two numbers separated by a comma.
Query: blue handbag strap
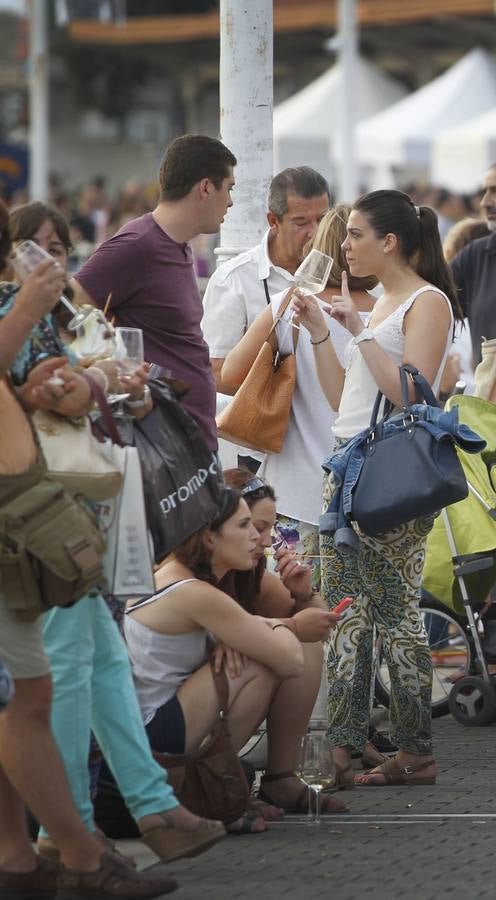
[[423, 390], [423, 394]]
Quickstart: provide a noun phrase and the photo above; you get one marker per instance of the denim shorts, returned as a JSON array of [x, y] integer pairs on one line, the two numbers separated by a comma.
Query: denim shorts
[[167, 730]]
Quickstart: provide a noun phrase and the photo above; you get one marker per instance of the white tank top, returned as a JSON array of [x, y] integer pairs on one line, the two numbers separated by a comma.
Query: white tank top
[[360, 389], [161, 662]]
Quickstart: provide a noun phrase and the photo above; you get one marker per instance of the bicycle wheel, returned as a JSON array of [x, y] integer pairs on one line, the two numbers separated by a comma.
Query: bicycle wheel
[[451, 657]]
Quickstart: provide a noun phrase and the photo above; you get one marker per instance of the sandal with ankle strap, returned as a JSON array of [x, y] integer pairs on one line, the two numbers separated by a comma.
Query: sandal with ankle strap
[[393, 773], [329, 804]]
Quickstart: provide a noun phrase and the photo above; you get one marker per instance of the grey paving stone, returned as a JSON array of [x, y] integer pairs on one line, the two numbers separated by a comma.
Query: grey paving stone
[[424, 843]]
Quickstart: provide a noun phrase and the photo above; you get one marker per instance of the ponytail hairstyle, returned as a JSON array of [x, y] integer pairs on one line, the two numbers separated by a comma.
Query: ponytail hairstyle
[[393, 212]]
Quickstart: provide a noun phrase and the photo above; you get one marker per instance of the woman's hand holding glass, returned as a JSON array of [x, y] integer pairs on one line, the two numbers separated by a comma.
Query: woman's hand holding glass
[[308, 312], [135, 383], [26, 259], [41, 290]]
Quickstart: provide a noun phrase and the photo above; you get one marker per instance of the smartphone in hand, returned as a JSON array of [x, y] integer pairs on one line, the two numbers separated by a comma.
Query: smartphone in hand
[[344, 604]]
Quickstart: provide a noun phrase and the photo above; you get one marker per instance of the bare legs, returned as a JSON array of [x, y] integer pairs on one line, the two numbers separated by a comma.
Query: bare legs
[[249, 697], [31, 772]]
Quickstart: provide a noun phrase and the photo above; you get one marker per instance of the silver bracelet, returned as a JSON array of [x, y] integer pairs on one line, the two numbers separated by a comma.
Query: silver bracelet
[[138, 404]]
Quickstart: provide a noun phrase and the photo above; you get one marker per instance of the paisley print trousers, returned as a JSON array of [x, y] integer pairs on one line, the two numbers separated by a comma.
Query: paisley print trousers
[[384, 578]]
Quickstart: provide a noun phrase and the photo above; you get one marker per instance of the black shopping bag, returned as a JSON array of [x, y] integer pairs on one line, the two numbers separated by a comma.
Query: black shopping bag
[[182, 479]]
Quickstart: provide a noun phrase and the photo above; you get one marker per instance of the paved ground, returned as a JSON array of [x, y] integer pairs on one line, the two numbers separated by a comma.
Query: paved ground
[[422, 843]]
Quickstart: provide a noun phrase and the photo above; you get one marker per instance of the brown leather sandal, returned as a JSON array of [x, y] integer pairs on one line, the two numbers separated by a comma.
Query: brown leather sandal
[[170, 843], [372, 757], [40, 882], [113, 879], [47, 849], [393, 773], [329, 804]]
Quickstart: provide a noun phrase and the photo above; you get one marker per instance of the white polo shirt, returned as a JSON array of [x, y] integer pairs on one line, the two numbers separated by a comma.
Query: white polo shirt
[[235, 296]]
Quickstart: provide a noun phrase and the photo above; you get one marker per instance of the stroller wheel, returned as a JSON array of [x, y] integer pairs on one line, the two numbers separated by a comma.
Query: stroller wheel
[[450, 652], [472, 701]]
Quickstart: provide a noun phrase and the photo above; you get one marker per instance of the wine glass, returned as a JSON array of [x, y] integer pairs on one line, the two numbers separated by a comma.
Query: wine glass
[[316, 768], [312, 275], [95, 338], [128, 355], [27, 255]]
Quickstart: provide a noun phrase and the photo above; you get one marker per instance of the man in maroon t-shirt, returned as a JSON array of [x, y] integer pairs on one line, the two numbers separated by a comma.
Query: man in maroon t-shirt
[[147, 267]]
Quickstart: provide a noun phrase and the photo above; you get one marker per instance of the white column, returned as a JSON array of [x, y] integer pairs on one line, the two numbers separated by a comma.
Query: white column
[[246, 101], [348, 57], [38, 101]]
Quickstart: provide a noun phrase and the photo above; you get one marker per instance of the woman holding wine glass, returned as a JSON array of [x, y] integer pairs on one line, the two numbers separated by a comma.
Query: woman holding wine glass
[[296, 472], [91, 675], [92, 343], [412, 322]]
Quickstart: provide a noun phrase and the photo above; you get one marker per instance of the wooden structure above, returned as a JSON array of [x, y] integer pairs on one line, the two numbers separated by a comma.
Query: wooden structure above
[[289, 16]]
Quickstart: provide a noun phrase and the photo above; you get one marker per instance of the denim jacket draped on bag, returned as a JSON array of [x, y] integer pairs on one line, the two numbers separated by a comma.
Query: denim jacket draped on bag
[[345, 464]]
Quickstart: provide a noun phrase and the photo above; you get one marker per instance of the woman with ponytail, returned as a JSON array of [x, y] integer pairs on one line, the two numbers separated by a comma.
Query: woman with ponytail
[[412, 322]]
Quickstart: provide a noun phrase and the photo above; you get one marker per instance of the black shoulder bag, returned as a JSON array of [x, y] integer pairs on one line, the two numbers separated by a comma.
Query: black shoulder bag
[[408, 474]]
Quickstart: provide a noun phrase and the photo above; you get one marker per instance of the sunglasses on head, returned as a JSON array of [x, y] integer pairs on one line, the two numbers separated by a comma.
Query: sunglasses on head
[[254, 486]]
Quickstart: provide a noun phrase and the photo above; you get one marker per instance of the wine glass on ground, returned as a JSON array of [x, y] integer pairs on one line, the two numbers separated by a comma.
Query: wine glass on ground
[[27, 255], [316, 768], [312, 275]]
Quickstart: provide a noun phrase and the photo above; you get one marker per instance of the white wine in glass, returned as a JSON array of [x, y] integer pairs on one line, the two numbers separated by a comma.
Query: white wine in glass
[[311, 276], [313, 273], [316, 768]]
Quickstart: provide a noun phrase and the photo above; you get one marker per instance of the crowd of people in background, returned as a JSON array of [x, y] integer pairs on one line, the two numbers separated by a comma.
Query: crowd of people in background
[[94, 213], [251, 595]]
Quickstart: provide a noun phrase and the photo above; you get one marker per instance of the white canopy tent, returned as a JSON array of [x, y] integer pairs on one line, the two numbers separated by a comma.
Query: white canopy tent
[[462, 155], [305, 124], [403, 134]]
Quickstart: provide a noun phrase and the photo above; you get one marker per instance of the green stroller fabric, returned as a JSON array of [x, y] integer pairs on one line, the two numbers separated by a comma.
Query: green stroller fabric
[[473, 528]]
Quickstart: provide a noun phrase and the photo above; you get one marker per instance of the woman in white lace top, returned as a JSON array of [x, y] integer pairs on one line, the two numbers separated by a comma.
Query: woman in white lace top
[[412, 322]]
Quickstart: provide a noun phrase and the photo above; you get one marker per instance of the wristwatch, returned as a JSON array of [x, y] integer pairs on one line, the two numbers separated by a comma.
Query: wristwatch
[[366, 334]]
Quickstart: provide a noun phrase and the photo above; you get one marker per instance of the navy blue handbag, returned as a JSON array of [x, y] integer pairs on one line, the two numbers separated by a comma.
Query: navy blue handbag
[[410, 473]]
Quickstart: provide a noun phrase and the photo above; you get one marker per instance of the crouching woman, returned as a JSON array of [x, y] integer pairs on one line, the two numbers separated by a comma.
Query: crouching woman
[[168, 639]]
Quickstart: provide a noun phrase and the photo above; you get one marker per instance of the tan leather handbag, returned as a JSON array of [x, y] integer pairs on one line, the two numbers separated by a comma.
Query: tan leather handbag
[[258, 415]]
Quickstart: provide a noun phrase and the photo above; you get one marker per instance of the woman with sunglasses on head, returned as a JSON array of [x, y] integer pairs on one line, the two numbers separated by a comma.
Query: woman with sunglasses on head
[[412, 322], [288, 594]]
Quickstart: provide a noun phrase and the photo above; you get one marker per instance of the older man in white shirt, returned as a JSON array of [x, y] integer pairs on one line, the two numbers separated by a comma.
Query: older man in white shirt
[[241, 287]]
